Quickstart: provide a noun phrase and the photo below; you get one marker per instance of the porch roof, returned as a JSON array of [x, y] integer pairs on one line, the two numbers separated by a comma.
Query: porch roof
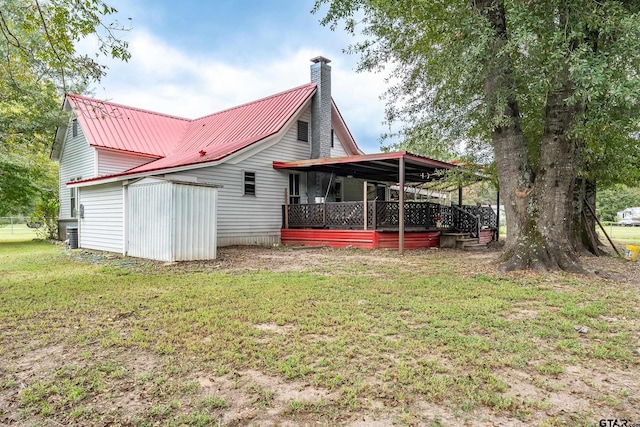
[[374, 167]]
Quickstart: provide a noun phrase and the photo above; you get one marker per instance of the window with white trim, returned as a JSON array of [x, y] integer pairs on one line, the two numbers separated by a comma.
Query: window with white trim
[[72, 201], [249, 180]]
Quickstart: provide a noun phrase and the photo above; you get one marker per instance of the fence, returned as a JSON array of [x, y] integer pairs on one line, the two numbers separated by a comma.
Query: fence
[[385, 216], [18, 228]]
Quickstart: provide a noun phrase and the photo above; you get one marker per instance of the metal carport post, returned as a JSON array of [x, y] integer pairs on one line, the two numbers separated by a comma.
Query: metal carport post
[[401, 206]]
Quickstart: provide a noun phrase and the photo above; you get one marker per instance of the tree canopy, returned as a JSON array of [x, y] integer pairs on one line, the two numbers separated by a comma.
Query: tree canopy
[[39, 64], [546, 90], [437, 51]]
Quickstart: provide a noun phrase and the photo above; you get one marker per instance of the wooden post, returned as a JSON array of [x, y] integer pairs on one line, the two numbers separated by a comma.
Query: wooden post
[[286, 208], [364, 205], [601, 227], [324, 214], [375, 214], [401, 207]]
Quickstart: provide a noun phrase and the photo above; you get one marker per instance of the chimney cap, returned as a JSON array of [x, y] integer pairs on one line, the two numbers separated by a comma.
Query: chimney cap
[[320, 59]]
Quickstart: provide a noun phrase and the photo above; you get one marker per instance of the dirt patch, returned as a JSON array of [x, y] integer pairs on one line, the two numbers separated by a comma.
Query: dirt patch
[[276, 329], [257, 398], [50, 366], [136, 383]]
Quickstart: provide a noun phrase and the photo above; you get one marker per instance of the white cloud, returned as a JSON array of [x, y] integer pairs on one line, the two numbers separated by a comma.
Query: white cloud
[[159, 77]]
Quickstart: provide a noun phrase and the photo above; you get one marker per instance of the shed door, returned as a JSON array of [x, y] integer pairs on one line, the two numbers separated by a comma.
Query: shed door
[[150, 225]]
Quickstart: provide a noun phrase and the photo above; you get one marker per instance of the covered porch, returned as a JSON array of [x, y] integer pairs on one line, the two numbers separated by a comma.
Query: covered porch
[[375, 224]]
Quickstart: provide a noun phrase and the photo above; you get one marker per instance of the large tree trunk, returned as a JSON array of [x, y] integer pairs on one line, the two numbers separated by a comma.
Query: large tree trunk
[[553, 186], [538, 203]]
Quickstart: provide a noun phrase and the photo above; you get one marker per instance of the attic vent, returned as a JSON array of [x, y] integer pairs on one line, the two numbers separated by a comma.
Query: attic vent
[[303, 131], [74, 127]]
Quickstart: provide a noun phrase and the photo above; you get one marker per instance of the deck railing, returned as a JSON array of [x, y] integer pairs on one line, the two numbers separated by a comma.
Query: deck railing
[[382, 215]]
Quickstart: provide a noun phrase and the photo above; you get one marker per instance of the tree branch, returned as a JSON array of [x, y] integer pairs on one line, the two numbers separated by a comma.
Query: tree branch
[[52, 44]]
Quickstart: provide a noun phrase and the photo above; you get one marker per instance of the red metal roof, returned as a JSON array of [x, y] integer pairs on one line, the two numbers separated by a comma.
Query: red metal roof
[[214, 137], [118, 127], [181, 142]]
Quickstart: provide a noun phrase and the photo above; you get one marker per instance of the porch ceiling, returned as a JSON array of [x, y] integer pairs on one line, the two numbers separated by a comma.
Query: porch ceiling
[[374, 167]]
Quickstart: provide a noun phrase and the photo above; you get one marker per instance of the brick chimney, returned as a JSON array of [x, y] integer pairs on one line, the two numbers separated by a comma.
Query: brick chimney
[[321, 108], [317, 182]]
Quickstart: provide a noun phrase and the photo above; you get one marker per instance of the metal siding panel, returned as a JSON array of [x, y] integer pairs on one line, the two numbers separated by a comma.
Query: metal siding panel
[[195, 236], [102, 225], [149, 221]]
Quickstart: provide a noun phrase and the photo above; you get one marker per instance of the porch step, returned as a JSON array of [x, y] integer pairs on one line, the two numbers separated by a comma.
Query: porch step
[[466, 242], [450, 240], [473, 247], [462, 241]]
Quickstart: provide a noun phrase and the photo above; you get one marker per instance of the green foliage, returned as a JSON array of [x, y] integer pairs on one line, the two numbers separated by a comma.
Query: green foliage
[[439, 53], [615, 199], [46, 212], [40, 63]]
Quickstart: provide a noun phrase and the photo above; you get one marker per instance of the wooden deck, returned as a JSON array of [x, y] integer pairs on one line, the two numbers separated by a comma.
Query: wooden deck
[[363, 239], [385, 216]]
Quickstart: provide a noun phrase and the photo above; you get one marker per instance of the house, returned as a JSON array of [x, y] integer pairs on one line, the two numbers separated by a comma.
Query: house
[[107, 147], [158, 186], [629, 216]]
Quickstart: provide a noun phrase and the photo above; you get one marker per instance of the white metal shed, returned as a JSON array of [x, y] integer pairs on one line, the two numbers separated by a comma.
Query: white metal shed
[[171, 220]]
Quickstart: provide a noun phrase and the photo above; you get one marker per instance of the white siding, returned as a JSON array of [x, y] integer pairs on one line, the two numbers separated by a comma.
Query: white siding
[[102, 225], [251, 220], [110, 162], [76, 161], [338, 149]]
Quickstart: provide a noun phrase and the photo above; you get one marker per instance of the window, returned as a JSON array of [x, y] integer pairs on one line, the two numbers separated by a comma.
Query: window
[[249, 183], [72, 201], [74, 127], [294, 189], [303, 131], [332, 137]]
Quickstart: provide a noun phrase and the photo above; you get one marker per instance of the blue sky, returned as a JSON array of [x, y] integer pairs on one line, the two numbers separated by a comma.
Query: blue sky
[[192, 58]]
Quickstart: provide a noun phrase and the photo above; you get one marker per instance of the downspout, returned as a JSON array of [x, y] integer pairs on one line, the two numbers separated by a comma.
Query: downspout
[[125, 218]]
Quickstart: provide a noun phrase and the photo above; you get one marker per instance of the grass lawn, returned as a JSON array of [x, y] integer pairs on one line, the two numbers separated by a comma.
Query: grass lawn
[[274, 336], [16, 233], [621, 235]]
